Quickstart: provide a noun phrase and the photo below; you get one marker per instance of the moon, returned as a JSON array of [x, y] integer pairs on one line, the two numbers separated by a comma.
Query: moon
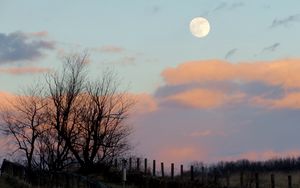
[[199, 27]]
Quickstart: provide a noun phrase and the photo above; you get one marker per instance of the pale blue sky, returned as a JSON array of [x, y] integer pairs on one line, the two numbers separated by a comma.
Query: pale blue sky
[[151, 36], [156, 33]]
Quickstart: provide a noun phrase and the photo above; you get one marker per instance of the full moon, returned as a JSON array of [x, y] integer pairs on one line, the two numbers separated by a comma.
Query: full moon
[[199, 27]]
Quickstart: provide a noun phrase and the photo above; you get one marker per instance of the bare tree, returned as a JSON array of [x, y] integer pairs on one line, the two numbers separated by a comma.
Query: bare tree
[[71, 118], [88, 116], [103, 111], [53, 154], [24, 121]]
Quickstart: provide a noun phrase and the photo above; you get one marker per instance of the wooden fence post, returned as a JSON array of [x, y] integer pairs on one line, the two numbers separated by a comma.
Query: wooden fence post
[[202, 175], [227, 179], [138, 164], [116, 163], [215, 176], [145, 165], [272, 181], [192, 173], [172, 171], [130, 164], [242, 179], [153, 170], [162, 169], [289, 181], [78, 178], [181, 171], [256, 180]]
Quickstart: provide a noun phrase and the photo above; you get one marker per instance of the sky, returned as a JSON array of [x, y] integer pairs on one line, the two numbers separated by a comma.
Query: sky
[[233, 94]]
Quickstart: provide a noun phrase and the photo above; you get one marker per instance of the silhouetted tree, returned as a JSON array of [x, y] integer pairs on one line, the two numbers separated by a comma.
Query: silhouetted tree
[[24, 120], [71, 118], [88, 116]]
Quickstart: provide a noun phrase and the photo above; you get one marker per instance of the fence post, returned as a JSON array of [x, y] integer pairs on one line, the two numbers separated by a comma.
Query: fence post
[[67, 180], [138, 164], [192, 173], [87, 183], [116, 163], [272, 181], [162, 169], [215, 176], [227, 179], [289, 181], [78, 178], [172, 171], [145, 165], [256, 180], [202, 175], [130, 164], [153, 171], [181, 171], [242, 179]]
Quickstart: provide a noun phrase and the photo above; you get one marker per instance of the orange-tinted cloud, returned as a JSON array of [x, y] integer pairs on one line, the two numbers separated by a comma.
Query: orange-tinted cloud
[[110, 49], [38, 34], [6, 99], [207, 132], [181, 154], [144, 103], [289, 101], [204, 98], [24, 70], [280, 72]]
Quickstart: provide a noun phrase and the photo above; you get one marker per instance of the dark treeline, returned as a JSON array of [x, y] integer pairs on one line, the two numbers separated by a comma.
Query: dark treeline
[[223, 167]]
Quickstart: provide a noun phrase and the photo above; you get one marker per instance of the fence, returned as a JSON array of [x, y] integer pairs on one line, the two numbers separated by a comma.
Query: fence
[[47, 179], [158, 175], [143, 174]]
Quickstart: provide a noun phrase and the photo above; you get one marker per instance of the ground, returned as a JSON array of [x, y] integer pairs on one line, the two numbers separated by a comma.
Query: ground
[[4, 183]]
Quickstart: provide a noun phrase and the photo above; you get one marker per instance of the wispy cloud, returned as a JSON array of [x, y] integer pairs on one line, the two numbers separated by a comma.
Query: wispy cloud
[[125, 60], [24, 70], [228, 6], [271, 48], [230, 53], [144, 103], [285, 21], [109, 49], [38, 34], [155, 9], [18, 46], [182, 153]]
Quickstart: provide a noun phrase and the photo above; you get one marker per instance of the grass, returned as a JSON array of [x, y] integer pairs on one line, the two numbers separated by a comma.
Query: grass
[[281, 179], [4, 183], [8, 182]]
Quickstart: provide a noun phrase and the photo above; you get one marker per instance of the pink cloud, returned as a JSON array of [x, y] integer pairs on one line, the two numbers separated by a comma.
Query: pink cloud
[[205, 98], [6, 99], [144, 103], [206, 133], [39, 34], [182, 154], [24, 70], [279, 72], [110, 49]]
